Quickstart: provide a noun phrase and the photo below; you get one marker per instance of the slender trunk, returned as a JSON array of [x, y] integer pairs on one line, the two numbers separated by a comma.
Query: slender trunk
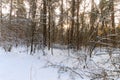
[[0, 16], [1, 11], [61, 26], [77, 37], [44, 23], [92, 17], [91, 34], [67, 22], [10, 11], [72, 24], [112, 16], [113, 22], [52, 28], [49, 26], [33, 9]]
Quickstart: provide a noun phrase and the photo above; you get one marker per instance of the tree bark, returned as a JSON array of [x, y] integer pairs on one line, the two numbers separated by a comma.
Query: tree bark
[[1, 11], [77, 36], [72, 24], [33, 13], [11, 3], [44, 23], [49, 25]]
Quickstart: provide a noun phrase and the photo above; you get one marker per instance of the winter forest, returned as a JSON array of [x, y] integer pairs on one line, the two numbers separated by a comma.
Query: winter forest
[[59, 39]]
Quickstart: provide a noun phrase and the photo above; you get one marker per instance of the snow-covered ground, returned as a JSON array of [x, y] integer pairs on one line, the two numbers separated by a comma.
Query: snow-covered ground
[[15, 66], [18, 65]]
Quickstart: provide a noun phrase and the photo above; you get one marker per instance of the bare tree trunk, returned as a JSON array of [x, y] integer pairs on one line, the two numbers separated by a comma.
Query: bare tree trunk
[[11, 3], [1, 11], [92, 17], [49, 25], [33, 13], [72, 24], [77, 36], [113, 25], [0, 16], [44, 23], [91, 32], [61, 23], [112, 16], [53, 29]]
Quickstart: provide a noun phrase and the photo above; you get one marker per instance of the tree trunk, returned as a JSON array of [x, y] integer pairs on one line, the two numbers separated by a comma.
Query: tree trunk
[[112, 16], [72, 24], [1, 11], [11, 3], [77, 36], [49, 25], [44, 23], [61, 24], [33, 13]]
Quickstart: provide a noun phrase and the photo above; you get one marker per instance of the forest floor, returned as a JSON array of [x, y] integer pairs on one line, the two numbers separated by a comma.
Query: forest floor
[[18, 65]]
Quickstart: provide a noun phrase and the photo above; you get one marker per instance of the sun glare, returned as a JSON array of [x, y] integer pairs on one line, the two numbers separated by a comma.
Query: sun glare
[[5, 9], [97, 1], [66, 26]]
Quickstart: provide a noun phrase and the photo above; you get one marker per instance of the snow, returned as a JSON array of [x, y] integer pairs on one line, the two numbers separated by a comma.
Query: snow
[[24, 67], [19, 65]]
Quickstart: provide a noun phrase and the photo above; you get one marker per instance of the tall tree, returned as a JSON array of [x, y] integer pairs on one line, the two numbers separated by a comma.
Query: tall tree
[[72, 22], [11, 9], [0, 11], [49, 24], [33, 14], [44, 22], [78, 24], [61, 23], [112, 15], [113, 21]]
